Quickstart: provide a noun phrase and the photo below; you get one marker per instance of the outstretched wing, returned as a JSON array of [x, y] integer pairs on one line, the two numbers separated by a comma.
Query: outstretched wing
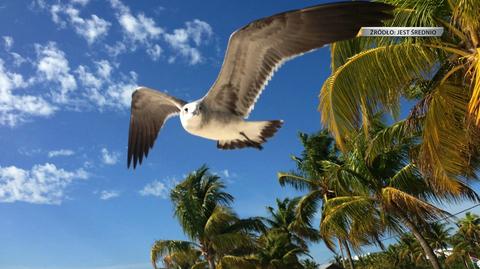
[[149, 111], [255, 51]]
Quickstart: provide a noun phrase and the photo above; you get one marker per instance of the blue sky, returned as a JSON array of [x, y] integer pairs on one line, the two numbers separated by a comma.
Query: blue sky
[[67, 70]]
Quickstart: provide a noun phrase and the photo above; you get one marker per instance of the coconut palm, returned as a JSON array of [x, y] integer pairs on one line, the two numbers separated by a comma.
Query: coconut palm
[[275, 251], [202, 208], [318, 156], [310, 175], [181, 257], [383, 185], [463, 250], [438, 235], [310, 264], [441, 74], [282, 219], [465, 241], [469, 227]]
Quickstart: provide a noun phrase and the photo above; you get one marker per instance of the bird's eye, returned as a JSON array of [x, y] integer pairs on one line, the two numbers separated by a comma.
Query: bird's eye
[[186, 109]]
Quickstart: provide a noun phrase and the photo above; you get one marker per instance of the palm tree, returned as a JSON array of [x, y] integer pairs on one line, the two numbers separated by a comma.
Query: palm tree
[[275, 251], [282, 219], [469, 227], [310, 175], [441, 74], [375, 189], [185, 258], [438, 235], [465, 241], [202, 208], [383, 185], [310, 264]]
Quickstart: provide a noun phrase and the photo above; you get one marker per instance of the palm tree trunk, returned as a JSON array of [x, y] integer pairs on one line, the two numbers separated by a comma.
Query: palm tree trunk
[[349, 254], [211, 263], [341, 251], [423, 243], [465, 263]]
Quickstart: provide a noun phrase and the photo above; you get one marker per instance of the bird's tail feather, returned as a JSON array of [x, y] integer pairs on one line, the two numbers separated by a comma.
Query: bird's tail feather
[[254, 134]]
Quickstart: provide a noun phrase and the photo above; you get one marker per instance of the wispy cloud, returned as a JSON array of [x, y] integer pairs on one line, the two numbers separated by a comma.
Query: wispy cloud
[[91, 29], [15, 108], [226, 175], [43, 184], [80, 2], [108, 157], [60, 152], [139, 27], [107, 195], [184, 40], [53, 66], [155, 188], [155, 52], [8, 42], [141, 30]]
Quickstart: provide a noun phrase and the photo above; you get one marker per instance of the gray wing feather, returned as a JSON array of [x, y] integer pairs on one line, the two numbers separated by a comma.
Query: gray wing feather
[[149, 111], [255, 51]]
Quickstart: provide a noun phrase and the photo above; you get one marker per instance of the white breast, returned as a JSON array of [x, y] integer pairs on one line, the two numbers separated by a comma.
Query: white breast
[[214, 130]]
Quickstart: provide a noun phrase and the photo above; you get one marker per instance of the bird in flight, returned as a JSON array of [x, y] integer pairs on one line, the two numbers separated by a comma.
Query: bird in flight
[[253, 54]]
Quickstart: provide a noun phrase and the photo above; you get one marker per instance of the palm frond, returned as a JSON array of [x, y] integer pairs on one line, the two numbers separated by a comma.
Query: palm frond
[[474, 103], [235, 262], [391, 69], [164, 247], [308, 206], [444, 153], [296, 181], [396, 199]]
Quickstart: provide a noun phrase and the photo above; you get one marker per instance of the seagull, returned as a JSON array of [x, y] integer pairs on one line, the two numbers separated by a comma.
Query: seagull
[[253, 54]]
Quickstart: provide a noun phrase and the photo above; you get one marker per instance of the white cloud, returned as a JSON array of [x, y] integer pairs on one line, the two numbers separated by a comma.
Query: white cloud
[[18, 59], [104, 68], [107, 195], [116, 49], [43, 184], [138, 28], [91, 28], [87, 78], [120, 94], [155, 51], [183, 40], [109, 158], [60, 152], [155, 188], [80, 2], [8, 42], [226, 175], [53, 66], [16, 108]]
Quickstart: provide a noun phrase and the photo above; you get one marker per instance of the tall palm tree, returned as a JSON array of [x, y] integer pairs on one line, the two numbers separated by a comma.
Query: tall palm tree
[[275, 251], [441, 74], [202, 208], [376, 189], [282, 219], [310, 175], [310, 264], [184, 259], [383, 185], [465, 241], [438, 235], [469, 227]]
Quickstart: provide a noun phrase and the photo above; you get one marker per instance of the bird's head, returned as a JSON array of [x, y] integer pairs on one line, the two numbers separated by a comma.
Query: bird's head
[[191, 110]]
